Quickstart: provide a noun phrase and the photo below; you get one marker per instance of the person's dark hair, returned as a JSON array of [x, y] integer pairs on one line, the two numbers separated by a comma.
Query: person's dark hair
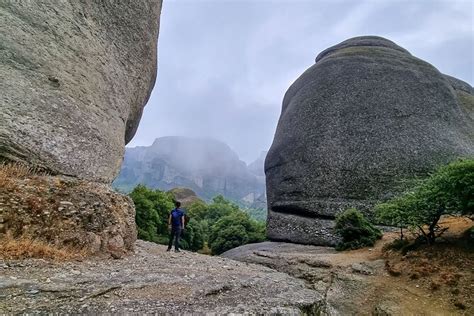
[[177, 204]]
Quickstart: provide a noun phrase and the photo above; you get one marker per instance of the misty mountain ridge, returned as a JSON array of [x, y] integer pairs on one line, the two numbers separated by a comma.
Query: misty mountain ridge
[[207, 166]]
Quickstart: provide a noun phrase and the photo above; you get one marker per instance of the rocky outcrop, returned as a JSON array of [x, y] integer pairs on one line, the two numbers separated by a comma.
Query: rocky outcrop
[[74, 77], [206, 166], [65, 212], [185, 196], [152, 281], [364, 117]]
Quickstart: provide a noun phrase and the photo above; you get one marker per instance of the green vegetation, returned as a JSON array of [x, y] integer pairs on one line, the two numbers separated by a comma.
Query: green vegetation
[[448, 191], [234, 230], [220, 225], [152, 209], [356, 231]]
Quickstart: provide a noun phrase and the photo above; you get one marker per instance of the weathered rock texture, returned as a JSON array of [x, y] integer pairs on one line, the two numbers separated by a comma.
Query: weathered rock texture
[[74, 77], [66, 212], [152, 281], [365, 116]]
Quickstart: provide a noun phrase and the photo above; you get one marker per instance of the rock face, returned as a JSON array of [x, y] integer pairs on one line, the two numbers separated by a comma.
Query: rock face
[[206, 166], [74, 77], [66, 212], [367, 115]]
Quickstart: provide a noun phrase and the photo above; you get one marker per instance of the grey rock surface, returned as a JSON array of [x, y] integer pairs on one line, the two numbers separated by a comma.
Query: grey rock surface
[[366, 116], [74, 77], [152, 281]]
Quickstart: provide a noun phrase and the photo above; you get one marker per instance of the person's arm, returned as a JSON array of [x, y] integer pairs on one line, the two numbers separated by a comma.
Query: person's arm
[[182, 222], [169, 220]]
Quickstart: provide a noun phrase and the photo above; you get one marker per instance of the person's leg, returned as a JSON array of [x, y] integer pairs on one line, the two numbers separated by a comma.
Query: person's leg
[[170, 243], [178, 235]]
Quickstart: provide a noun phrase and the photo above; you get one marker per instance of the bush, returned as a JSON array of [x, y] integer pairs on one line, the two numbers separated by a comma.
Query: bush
[[193, 236], [152, 209], [235, 230], [448, 191], [356, 231]]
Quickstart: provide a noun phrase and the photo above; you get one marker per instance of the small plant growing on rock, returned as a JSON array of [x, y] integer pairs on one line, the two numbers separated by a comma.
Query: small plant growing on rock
[[356, 231]]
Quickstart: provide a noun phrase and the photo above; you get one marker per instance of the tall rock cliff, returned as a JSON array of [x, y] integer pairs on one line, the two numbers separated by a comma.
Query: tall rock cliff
[[206, 166], [365, 116], [74, 77]]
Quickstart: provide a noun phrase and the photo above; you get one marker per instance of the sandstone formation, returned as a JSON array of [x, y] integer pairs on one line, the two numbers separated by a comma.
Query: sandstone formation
[[74, 77], [206, 166], [364, 117]]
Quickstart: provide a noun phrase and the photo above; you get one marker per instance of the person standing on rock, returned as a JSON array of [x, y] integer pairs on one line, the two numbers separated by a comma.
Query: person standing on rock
[[176, 226]]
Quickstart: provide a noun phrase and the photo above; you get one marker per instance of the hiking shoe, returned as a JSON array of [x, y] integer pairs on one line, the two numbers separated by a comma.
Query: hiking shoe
[[169, 249], [177, 250]]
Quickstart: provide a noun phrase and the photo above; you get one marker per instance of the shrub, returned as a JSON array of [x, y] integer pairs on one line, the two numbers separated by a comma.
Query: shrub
[[152, 209], [193, 236], [235, 230], [356, 231], [448, 191]]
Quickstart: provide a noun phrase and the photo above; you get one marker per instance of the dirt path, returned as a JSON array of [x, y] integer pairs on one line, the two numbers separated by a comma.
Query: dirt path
[[435, 280]]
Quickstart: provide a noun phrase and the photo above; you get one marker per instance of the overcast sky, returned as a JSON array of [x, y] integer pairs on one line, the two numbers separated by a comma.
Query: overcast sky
[[224, 66]]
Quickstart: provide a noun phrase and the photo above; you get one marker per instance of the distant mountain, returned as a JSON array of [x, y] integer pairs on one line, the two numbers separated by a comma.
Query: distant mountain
[[256, 167], [206, 166]]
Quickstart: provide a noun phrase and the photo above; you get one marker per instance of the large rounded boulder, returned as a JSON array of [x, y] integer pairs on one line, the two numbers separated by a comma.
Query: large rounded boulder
[[74, 77], [365, 117]]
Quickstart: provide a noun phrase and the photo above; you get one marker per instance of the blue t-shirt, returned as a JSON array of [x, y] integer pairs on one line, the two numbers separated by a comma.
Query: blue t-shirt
[[176, 217]]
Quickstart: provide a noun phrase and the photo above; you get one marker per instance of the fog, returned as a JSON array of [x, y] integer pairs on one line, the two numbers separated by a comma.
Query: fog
[[224, 66]]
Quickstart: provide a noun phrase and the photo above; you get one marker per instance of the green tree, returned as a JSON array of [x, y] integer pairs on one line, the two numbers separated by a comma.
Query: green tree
[[235, 230], [448, 190], [197, 210], [219, 208], [193, 236], [152, 208], [356, 231]]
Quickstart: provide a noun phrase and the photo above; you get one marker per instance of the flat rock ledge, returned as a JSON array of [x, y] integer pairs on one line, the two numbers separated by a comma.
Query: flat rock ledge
[[153, 281]]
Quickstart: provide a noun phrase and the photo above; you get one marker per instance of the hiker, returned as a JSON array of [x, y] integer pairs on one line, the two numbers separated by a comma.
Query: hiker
[[176, 226]]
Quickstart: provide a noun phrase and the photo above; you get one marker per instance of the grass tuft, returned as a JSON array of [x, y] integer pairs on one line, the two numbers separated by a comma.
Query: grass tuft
[[25, 247]]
